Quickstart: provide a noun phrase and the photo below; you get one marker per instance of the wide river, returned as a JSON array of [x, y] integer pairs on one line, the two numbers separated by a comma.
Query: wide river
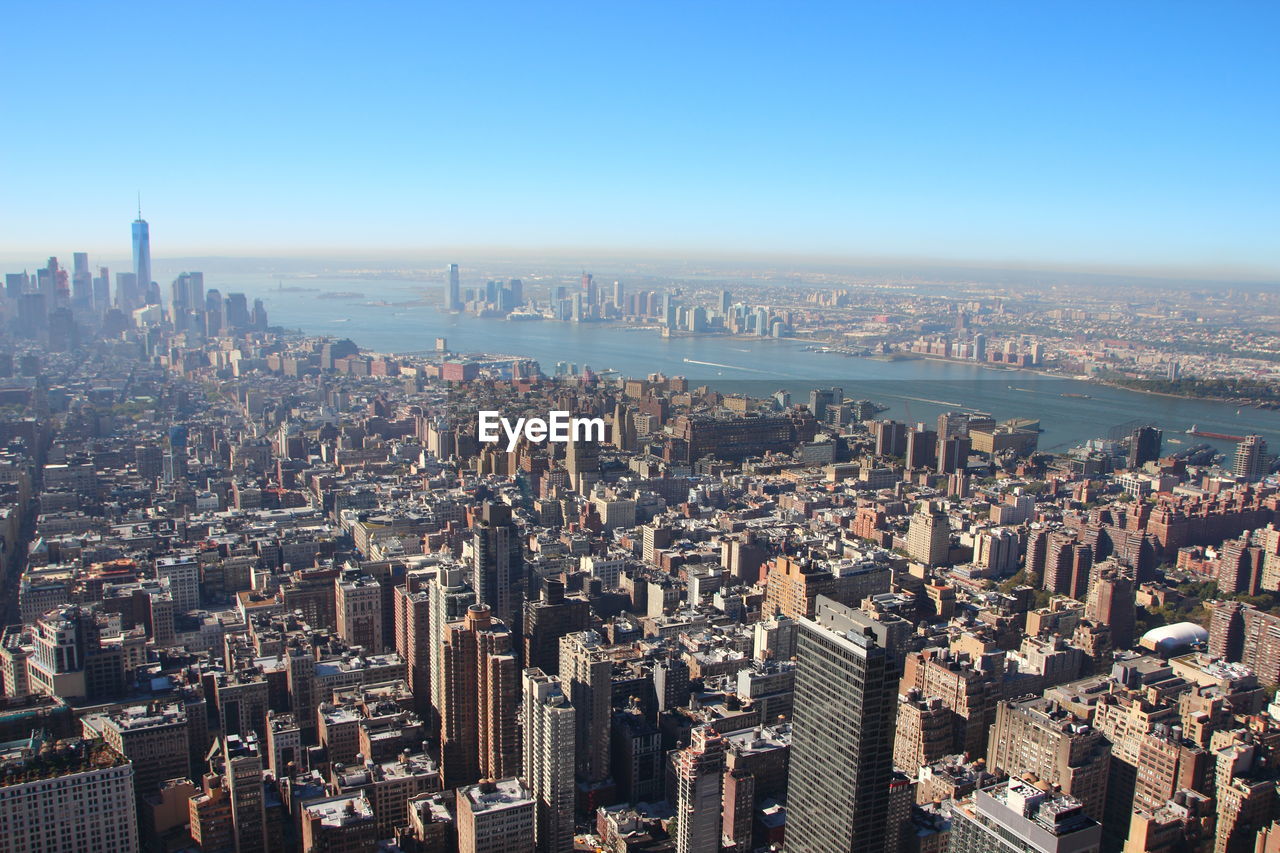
[[388, 318]]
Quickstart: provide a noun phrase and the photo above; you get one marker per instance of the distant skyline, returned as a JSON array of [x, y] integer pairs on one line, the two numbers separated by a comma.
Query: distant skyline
[[1084, 136]]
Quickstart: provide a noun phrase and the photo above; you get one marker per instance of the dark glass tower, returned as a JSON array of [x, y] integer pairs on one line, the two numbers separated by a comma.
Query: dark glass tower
[[842, 735]]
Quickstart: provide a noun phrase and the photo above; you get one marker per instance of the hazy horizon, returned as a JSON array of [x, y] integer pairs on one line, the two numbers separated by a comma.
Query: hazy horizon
[[605, 261]]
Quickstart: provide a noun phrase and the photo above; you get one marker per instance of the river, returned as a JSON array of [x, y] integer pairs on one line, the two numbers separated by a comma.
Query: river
[[389, 318]]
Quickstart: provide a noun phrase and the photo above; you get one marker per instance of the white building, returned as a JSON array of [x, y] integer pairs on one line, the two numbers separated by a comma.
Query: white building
[[76, 796]]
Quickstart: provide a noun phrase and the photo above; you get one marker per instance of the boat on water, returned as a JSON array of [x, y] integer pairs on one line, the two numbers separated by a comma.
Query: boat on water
[[1221, 436], [1077, 396]]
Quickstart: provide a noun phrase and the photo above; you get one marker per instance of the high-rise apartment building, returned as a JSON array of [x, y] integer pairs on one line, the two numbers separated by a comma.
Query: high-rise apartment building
[[1251, 458], [479, 737], [1034, 736], [842, 736], [450, 596], [547, 620], [586, 672], [699, 768], [929, 535], [550, 733]]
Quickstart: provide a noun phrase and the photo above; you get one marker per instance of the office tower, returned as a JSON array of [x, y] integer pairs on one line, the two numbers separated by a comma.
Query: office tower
[[980, 347], [582, 460], [699, 768], [842, 735], [102, 291], [499, 567], [214, 311], [358, 606], [479, 737], [726, 300], [953, 453], [453, 290], [258, 319], [550, 732], [16, 284], [617, 295], [128, 295], [929, 535], [823, 399], [240, 764], [65, 797], [32, 315], [590, 292], [1035, 736], [236, 317], [1144, 446], [586, 671], [142, 254], [81, 283], [670, 309], [1251, 458], [1017, 817], [891, 438], [495, 817], [547, 620]]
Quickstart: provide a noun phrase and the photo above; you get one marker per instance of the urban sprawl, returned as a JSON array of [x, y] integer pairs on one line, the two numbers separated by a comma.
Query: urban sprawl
[[273, 592]]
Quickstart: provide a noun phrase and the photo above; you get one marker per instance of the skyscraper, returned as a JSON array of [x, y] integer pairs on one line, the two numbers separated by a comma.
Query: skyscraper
[[842, 735], [699, 768], [478, 738], [1251, 458], [453, 295], [586, 671], [1144, 446], [549, 735], [499, 564], [142, 253], [929, 535]]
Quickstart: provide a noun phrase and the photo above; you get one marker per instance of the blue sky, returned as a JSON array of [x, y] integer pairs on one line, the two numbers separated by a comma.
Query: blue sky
[[1109, 134]]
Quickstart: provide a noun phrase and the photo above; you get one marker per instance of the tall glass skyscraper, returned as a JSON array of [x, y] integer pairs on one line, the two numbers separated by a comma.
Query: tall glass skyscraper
[[142, 253], [842, 734], [453, 299]]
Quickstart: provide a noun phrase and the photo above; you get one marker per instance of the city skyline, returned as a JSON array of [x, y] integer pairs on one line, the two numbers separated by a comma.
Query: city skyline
[[1023, 136]]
